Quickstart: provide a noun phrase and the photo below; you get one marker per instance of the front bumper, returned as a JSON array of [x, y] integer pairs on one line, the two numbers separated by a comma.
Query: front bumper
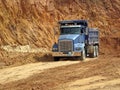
[[69, 54]]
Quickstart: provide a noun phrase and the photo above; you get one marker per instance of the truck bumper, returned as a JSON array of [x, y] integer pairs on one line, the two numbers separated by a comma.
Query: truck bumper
[[69, 54]]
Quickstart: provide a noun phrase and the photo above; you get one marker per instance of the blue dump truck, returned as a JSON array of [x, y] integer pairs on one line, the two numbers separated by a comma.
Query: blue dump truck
[[76, 40]]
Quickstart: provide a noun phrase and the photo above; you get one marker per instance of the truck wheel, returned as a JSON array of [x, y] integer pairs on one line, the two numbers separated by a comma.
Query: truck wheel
[[83, 56], [97, 51], [93, 54], [56, 58]]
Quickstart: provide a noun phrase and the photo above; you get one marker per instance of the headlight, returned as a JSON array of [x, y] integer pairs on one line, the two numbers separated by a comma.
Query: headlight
[[55, 49]]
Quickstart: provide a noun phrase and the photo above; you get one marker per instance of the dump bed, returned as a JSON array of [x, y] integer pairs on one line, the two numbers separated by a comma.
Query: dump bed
[[74, 22], [93, 36]]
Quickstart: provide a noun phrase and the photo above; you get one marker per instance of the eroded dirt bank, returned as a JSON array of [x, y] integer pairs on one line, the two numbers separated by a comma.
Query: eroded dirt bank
[[33, 22]]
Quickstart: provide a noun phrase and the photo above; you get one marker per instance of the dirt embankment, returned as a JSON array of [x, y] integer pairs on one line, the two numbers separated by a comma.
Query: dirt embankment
[[32, 22]]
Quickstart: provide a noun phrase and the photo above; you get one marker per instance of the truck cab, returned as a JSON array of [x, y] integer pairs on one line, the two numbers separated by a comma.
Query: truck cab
[[75, 40]]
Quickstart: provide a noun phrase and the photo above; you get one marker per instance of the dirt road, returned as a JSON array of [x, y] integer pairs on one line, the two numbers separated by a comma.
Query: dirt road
[[25, 71], [97, 74]]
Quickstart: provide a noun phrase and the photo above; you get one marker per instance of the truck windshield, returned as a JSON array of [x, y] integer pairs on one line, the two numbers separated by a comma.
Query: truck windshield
[[70, 30]]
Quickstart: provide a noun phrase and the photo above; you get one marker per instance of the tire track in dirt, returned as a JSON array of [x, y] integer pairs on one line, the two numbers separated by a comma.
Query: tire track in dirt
[[101, 74], [25, 71]]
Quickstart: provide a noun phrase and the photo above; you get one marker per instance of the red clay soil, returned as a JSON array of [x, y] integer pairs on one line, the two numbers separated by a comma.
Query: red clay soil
[[33, 22], [21, 24]]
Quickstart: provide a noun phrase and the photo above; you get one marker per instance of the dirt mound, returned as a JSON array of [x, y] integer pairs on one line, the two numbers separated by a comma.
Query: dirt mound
[[17, 58], [32, 22]]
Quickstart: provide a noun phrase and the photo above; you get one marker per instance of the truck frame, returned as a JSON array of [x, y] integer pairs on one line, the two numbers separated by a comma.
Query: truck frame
[[76, 40]]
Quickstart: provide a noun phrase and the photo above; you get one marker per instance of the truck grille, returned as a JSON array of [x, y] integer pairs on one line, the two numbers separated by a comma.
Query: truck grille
[[65, 45]]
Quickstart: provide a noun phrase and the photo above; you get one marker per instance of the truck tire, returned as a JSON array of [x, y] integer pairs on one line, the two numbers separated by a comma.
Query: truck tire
[[56, 58], [83, 55], [93, 54], [97, 51]]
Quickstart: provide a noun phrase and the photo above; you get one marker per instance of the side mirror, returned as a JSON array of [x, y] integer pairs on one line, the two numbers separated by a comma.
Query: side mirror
[[55, 30], [82, 31]]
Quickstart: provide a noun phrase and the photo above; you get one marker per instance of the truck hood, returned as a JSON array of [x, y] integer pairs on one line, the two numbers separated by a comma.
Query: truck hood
[[69, 36]]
